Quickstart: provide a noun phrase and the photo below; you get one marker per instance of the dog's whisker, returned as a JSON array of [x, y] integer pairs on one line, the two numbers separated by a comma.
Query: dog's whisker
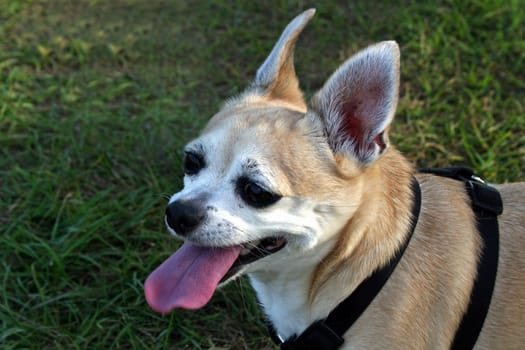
[[255, 247]]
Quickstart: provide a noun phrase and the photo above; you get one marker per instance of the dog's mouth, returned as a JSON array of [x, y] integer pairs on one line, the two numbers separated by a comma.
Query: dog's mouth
[[252, 252], [189, 277]]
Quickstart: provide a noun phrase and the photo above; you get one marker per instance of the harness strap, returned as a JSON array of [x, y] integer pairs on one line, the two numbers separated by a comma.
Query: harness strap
[[327, 334], [486, 200], [487, 204]]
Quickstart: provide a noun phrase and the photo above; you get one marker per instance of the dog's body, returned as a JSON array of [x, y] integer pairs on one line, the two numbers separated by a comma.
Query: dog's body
[[311, 200]]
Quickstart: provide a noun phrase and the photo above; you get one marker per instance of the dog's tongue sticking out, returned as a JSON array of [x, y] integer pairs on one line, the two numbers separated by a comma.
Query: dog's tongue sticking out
[[188, 278]]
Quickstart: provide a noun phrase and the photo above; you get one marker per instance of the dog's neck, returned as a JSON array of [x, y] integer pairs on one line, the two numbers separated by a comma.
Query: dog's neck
[[298, 294], [284, 294]]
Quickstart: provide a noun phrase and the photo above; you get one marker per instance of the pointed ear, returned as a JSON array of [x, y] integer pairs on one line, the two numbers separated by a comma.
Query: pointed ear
[[358, 102], [276, 77]]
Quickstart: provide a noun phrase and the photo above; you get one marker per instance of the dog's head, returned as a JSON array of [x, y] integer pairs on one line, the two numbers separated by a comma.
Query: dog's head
[[271, 179]]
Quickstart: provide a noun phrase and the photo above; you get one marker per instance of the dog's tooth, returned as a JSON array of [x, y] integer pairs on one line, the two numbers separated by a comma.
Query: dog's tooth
[[244, 251]]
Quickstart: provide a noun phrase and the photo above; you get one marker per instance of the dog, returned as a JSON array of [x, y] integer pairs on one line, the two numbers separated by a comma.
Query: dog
[[311, 199]]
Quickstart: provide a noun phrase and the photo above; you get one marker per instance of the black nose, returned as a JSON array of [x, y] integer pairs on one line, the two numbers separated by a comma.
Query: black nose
[[184, 216]]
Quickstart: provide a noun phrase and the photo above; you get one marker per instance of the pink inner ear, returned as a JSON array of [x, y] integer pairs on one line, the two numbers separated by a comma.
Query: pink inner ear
[[352, 124], [380, 141], [358, 117]]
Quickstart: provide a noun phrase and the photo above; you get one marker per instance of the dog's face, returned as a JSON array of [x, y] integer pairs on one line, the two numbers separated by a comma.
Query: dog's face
[[262, 177], [270, 179]]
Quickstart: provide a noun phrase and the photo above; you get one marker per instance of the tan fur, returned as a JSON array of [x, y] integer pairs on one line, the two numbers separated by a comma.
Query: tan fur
[[412, 310], [356, 243], [424, 300], [437, 273]]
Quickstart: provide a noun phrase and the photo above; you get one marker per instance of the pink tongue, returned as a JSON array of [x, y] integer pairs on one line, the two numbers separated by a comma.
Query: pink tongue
[[188, 278]]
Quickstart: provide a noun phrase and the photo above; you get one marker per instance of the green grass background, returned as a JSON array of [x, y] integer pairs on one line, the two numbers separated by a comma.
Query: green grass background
[[97, 99]]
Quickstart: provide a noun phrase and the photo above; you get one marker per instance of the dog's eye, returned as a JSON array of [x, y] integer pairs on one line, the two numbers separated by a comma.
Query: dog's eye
[[255, 195], [193, 163]]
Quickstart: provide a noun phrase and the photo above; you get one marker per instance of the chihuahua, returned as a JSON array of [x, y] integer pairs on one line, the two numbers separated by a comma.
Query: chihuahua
[[310, 199]]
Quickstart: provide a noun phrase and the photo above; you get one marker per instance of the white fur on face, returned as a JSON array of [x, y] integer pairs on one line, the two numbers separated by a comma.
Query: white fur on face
[[233, 150]]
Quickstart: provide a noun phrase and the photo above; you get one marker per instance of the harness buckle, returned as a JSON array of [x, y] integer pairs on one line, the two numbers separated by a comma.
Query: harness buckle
[[485, 199]]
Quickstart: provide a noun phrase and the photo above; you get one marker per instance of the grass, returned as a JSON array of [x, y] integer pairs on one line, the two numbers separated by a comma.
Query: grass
[[97, 99]]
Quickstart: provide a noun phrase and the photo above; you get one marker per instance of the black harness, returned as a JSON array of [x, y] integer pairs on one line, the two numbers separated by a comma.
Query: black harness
[[327, 334]]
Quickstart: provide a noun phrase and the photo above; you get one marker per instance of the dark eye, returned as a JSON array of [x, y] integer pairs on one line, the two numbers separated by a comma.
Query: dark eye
[[193, 163], [255, 195]]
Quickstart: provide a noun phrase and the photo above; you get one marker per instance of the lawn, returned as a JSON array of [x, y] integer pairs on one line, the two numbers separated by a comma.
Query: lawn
[[97, 99]]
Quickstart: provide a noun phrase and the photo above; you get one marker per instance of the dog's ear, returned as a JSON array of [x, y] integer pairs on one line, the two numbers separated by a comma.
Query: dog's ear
[[358, 102], [275, 78]]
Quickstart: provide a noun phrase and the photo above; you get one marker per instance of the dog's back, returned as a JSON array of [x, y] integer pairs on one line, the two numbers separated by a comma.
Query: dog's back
[[425, 300], [506, 318]]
